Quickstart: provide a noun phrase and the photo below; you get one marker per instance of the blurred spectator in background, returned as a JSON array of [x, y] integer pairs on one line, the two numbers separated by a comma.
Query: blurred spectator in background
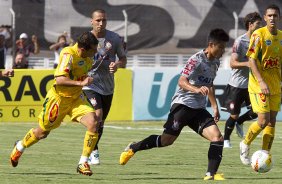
[[70, 41], [7, 32], [57, 47], [2, 51], [23, 46], [20, 61]]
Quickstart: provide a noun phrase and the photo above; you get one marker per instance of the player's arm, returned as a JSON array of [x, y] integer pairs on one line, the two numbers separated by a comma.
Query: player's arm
[[7, 73], [121, 53], [212, 99], [35, 43], [66, 81], [121, 63], [187, 86], [234, 62], [263, 86]]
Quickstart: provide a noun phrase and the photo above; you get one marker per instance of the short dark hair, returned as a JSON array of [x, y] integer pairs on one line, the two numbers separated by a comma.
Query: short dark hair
[[251, 18], [272, 6], [99, 10], [86, 40], [218, 35], [61, 36]]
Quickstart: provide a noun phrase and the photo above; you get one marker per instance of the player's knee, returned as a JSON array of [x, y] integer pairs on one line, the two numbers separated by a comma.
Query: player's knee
[[217, 138], [40, 134], [167, 141], [92, 126]]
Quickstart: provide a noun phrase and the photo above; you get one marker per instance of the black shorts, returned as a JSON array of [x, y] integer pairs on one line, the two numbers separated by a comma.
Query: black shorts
[[99, 101], [181, 115], [234, 99]]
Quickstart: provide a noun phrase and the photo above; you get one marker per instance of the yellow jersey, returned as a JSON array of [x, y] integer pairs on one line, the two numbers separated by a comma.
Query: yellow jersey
[[74, 67], [266, 50]]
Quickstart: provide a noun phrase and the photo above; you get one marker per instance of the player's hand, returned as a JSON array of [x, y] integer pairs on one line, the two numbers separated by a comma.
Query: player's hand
[[264, 88], [87, 81], [216, 115], [204, 90], [112, 67], [8, 73]]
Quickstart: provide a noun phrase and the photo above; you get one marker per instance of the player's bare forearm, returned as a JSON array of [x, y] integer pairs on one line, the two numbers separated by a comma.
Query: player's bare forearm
[[235, 63], [214, 105], [66, 81], [121, 63], [212, 98]]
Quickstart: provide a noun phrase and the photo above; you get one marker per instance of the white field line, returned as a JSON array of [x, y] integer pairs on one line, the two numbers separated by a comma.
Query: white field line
[[160, 129]]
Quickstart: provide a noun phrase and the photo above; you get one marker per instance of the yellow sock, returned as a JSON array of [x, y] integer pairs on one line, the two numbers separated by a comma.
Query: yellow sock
[[268, 137], [90, 141], [252, 133], [29, 139]]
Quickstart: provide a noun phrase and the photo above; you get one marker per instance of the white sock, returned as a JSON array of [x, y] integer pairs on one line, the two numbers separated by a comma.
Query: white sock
[[20, 146], [83, 159]]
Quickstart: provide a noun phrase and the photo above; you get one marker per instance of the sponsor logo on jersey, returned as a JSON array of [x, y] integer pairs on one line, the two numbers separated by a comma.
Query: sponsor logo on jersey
[[175, 125], [254, 43], [231, 106], [93, 101], [262, 97], [271, 63], [53, 114], [66, 62], [204, 79], [268, 42], [189, 67]]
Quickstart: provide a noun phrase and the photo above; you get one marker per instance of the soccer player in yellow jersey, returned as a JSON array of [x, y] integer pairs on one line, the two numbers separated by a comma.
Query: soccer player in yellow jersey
[[66, 98], [265, 55]]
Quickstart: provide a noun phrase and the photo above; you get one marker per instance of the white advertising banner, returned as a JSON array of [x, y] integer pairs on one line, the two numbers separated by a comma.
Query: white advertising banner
[[153, 89]]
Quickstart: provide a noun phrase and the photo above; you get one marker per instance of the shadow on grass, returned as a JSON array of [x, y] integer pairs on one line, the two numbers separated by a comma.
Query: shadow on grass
[[41, 173]]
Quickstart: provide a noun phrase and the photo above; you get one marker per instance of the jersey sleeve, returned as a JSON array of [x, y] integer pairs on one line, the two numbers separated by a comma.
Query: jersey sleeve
[[236, 46], [255, 45], [120, 47], [64, 66], [190, 67]]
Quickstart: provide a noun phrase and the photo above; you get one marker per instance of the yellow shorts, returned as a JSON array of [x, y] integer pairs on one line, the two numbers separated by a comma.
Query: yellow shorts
[[263, 104], [55, 108]]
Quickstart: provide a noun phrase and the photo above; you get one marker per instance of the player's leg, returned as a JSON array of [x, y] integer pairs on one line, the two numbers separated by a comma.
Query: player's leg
[[90, 140], [48, 120], [229, 127], [269, 130], [152, 141], [209, 130], [32, 137], [83, 112], [232, 104], [260, 104], [249, 115], [173, 127], [102, 105]]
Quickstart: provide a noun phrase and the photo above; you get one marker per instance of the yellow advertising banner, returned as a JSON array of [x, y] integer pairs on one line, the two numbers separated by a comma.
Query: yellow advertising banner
[[21, 96]]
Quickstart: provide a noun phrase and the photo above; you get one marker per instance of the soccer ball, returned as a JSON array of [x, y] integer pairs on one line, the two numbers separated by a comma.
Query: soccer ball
[[261, 161]]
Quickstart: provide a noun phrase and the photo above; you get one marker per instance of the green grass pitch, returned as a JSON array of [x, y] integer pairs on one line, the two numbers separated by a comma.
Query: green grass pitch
[[54, 159]]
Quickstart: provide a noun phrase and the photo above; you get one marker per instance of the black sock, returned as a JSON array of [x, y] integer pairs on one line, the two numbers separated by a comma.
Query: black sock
[[229, 126], [100, 132], [250, 115], [214, 156], [148, 143]]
